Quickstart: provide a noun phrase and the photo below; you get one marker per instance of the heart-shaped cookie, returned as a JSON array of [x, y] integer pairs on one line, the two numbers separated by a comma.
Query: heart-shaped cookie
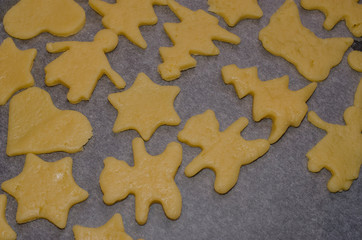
[[29, 18], [37, 126]]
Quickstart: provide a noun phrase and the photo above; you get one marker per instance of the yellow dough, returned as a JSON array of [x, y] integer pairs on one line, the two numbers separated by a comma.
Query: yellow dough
[[145, 106], [193, 35], [150, 180], [6, 232], [272, 99], [338, 10], [355, 60], [45, 190], [112, 230], [125, 17], [28, 18], [222, 152], [234, 11], [313, 57], [37, 126], [15, 69], [82, 64], [340, 151]]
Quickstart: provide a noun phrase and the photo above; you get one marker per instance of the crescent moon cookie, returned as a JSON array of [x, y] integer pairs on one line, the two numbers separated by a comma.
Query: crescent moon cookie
[[223, 152], [37, 126], [285, 36], [45, 190], [82, 64], [234, 11], [150, 180], [15, 69], [272, 99], [126, 16], [340, 151], [28, 18], [193, 35]]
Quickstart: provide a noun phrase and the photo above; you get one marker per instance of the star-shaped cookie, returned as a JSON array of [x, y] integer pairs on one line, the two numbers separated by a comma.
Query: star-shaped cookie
[[151, 180], [15, 69], [6, 232], [112, 230], [45, 190], [145, 106], [234, 11]]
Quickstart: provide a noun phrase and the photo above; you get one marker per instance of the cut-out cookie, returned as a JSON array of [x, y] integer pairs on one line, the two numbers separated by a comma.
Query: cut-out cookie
[[222, 152], [234, 11], [340, 151], [337, 10], [355, 60], [112, 230], [151, 180], [81, 66], [313, 57], [6, 232], [272, 99], [28, 18], [125, 17], [15, 69], [45, 190], [145, 106], [193, 35], [37, 126]]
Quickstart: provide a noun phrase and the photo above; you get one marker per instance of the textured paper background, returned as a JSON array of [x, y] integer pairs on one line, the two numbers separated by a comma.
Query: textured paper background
[[276, 197]]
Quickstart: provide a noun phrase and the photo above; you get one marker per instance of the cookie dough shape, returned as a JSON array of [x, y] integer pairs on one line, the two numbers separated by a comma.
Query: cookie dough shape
[[15, 69], [272, 99], [45, 190], [6, 232], [335, 10], [151, 180], [234, 11], [112, 230], [340, 151], [28, 18], [125, 17], [355, 60], [222, 152], [193, 35], [82, 65], [145, 106], [37, 126], [313, 57]]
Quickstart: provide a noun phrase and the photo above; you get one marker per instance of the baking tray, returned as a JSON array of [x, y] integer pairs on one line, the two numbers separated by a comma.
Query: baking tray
[[276, 197]]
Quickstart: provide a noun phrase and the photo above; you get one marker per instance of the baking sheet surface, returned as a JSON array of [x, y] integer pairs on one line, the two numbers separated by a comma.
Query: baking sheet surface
[[276, 197]]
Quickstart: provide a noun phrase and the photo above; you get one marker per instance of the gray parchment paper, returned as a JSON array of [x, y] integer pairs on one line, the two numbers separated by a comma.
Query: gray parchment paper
[[276, 197]]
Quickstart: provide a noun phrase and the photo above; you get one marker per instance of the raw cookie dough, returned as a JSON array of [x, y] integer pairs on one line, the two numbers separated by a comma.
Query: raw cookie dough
[[45, 190], [193, 35], [337, 10], [150, 180], [6, 232], [223, 152], [145, 106], [355, 60], [15, 69], [28, 18], [37, 126], [234, 11], [340, 151], [126, 16], [272, 99], [313, 57], [112, 230], [82, 64]]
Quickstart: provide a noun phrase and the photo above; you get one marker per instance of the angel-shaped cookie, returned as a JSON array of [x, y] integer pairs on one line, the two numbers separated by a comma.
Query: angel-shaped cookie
[[340, 151], [82, 64]]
